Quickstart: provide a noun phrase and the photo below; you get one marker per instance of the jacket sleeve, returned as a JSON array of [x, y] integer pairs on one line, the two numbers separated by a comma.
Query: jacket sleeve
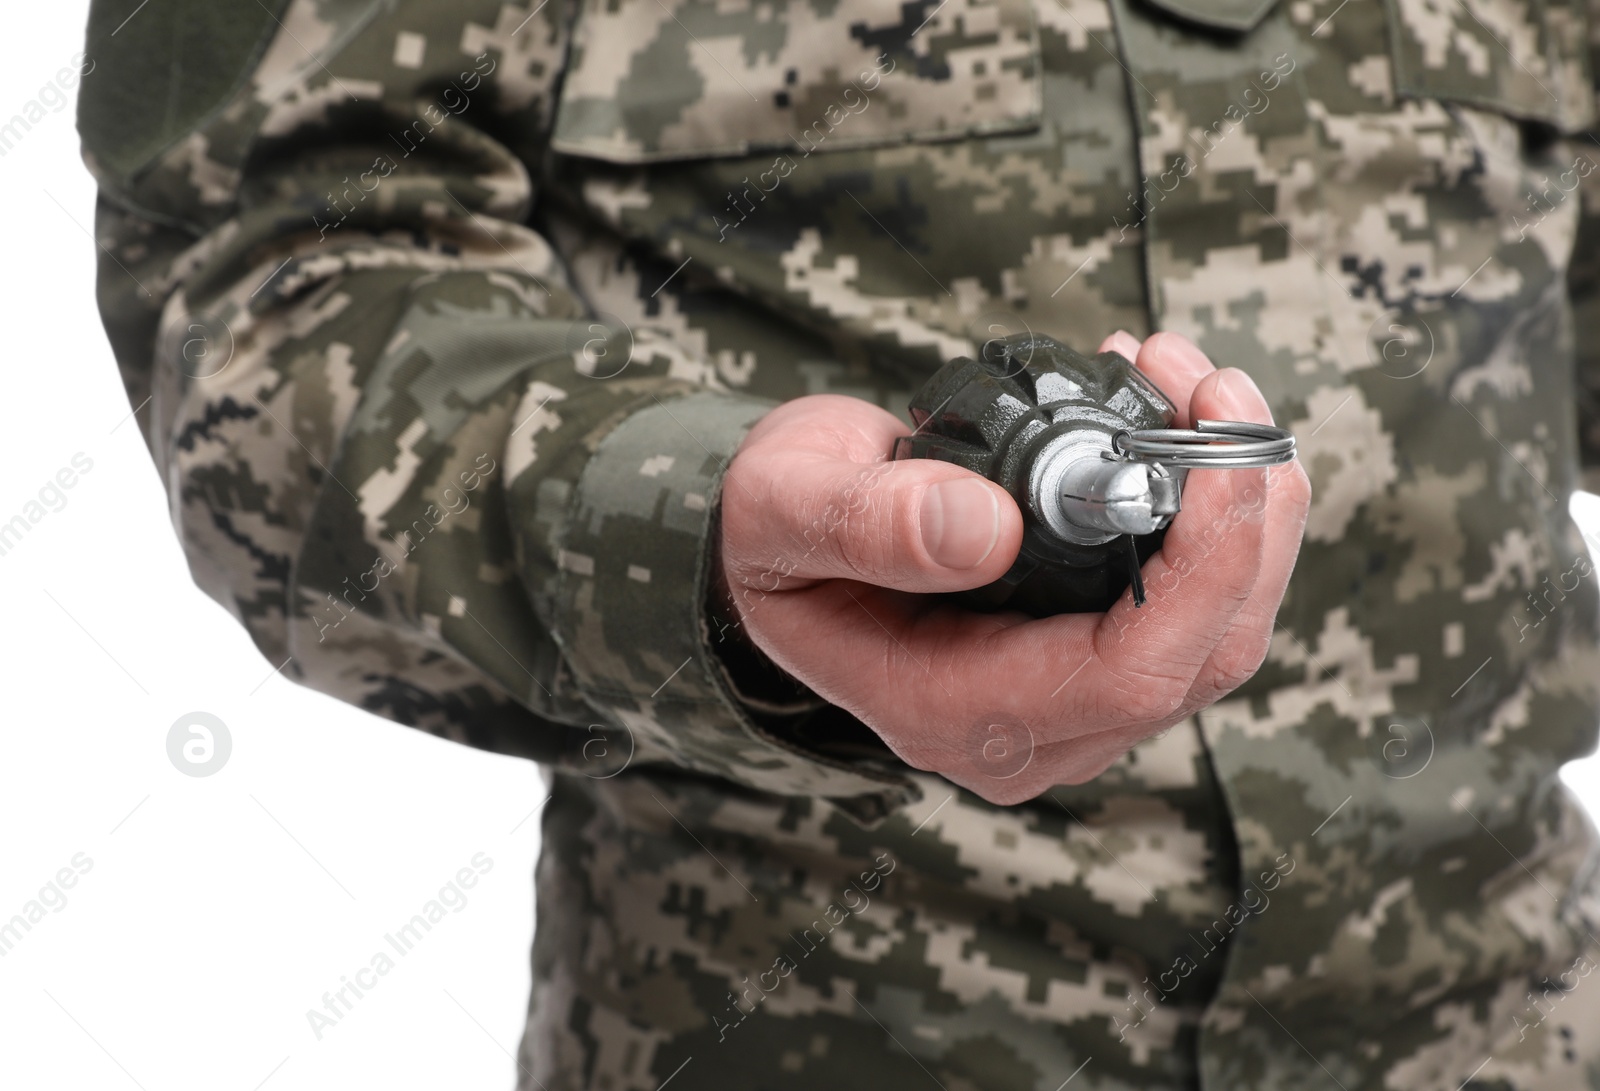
[[394, 444], [1584, 282], [1583, 275]]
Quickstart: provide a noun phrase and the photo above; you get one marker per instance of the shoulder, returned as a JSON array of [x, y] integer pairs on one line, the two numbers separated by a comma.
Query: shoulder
[[154, 73]]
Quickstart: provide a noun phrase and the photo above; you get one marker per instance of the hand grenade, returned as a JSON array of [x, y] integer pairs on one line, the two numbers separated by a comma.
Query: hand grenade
[[1084, 446]]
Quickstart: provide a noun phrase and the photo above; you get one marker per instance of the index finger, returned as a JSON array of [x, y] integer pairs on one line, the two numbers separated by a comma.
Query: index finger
[[1176, 365], [1208, 564]]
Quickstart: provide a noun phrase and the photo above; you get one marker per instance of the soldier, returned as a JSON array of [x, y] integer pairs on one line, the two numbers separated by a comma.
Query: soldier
[[525, 373]]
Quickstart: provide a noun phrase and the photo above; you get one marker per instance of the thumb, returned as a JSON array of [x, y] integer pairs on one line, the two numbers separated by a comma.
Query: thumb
[[916, 525]]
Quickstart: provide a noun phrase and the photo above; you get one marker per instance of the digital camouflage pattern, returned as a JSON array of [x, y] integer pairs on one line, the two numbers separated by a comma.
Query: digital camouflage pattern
[[443, 321], [634, 93]]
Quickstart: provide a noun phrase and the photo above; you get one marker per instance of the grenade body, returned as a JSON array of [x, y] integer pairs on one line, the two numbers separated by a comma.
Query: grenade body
[[1039, 419]]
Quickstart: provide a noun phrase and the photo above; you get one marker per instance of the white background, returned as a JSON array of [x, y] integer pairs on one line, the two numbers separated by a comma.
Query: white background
[[217, 910]]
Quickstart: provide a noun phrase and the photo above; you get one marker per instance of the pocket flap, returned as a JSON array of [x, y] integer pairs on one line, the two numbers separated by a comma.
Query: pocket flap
[[1235, 15], [653, 80], [1525, 58]]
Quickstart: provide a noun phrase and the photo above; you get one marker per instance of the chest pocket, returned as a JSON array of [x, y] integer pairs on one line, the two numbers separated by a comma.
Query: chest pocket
[[657, 80], [1525, 58]]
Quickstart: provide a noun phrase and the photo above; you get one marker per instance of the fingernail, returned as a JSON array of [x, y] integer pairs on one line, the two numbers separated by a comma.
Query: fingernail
[[960, 522], [1122, 342]]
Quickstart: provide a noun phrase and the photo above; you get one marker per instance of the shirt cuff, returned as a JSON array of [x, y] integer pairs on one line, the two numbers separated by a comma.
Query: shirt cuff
[[634, 560]]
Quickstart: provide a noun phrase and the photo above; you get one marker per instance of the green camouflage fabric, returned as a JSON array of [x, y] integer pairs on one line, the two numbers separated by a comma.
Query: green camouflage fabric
[[442, 322]]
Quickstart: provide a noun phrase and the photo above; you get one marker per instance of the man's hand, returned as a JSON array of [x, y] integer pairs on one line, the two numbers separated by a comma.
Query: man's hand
[[831, 554]]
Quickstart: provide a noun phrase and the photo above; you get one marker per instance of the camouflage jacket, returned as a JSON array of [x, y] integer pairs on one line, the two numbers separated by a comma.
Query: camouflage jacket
[[442, 321]]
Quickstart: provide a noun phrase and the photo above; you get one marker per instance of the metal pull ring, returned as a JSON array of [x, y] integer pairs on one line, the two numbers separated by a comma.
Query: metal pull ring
[[1210, 445]]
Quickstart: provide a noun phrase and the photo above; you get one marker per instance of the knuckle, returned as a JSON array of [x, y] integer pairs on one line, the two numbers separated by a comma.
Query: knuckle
[[1093, 755], [871, 532], [1232, 666], [867, 526], [1139, 699]]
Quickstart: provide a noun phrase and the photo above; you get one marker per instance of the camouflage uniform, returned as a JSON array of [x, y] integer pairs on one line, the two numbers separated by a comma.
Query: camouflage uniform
[[444, 319]]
